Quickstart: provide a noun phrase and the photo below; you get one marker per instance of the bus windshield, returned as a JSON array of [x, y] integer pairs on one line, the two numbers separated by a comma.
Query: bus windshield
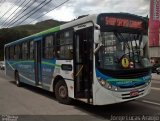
[[118, 45]]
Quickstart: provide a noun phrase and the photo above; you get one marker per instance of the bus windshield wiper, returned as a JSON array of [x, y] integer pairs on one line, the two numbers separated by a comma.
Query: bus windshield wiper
[[138, 37], [122, 39]]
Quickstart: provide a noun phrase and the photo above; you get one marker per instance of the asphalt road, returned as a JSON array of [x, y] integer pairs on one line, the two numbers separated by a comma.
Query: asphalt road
[[36, 104]]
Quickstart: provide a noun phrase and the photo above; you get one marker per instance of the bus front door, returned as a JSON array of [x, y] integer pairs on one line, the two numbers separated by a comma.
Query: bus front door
[[83, 64], [37, 61]]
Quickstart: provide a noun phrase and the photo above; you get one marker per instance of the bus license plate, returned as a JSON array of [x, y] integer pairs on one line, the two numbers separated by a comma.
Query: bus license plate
[[134, 93]]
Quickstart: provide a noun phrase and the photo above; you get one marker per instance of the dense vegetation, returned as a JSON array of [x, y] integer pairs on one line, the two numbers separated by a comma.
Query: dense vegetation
[[11, 34]]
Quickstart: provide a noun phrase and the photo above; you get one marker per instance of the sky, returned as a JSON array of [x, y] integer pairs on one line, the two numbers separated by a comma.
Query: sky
[[76, 8], [68, 11]]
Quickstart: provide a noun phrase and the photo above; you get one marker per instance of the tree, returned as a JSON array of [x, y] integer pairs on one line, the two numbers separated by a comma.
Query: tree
[[9, 35]]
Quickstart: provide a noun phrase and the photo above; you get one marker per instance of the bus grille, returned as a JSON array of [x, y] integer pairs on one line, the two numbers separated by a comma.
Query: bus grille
[[128, 96]]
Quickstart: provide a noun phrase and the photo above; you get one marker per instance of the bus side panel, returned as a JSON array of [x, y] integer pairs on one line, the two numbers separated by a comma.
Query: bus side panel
[[65, 69], [48, 66], [9, 69], [26, 71]]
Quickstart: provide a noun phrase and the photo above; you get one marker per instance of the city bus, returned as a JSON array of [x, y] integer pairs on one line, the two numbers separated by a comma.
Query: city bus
[[99, 59]]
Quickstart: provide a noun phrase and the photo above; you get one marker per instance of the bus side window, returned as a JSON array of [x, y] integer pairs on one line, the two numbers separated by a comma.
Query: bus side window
[[25, 50], [11, 52], [48, 47], [31, 50], [57, 43], [20, 54], [17, 52], [66, 45]]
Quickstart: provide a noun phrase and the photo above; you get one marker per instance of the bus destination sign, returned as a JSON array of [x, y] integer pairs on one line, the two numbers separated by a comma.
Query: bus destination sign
[[122, 22]]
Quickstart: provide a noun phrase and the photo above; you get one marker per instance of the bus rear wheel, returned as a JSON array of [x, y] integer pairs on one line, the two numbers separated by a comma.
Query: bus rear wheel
[[61, 92], [18, 83]]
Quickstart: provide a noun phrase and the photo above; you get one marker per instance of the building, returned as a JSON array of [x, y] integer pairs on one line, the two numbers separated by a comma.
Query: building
[[154, 31]]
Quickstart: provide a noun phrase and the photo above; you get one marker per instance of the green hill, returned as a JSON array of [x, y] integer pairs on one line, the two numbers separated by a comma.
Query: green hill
[[11, 34], [40, 26]]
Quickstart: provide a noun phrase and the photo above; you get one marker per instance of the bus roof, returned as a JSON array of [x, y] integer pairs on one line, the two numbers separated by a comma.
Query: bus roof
[[88, 18], [34, 35], [55, 29]]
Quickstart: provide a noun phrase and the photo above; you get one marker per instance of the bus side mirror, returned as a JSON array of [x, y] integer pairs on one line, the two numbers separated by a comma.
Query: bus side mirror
[[97, 36]]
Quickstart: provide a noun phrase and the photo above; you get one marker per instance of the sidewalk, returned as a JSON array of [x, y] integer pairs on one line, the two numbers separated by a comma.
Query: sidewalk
[[155, 77]]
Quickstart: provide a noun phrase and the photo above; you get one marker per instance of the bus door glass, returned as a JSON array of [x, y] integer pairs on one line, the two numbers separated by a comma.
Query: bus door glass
[[83, 62], [38, 74]]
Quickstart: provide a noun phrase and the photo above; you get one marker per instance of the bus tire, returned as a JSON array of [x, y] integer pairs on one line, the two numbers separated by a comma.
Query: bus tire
[[18, 83], [61, 92]]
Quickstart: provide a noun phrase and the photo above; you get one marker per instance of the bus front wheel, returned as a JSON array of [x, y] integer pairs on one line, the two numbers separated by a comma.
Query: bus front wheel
[[61, 92], [18, 83]]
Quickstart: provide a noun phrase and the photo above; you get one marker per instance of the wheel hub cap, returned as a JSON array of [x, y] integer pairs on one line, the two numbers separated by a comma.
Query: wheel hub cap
[[62, 92]]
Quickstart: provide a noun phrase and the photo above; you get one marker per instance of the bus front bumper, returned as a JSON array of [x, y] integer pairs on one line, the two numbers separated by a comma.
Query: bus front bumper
[[102, 96]]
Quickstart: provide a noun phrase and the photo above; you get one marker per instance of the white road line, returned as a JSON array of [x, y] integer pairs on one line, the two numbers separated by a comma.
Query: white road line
[[156, 82], [154, 103], [155, 88]]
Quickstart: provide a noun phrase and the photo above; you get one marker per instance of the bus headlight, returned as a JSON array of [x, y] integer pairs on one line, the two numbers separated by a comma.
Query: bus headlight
[[116, 89], [148, 82], [101, 81], [105, 84], [109, 86]]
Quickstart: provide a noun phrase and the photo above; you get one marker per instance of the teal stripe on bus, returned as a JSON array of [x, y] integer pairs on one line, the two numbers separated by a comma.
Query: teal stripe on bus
[[32, 61], [55, 29], [50, 64]]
